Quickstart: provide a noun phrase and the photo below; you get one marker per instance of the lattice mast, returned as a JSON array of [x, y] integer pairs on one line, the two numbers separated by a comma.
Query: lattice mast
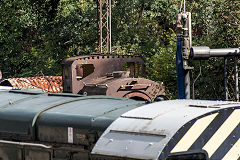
[[104, 26]]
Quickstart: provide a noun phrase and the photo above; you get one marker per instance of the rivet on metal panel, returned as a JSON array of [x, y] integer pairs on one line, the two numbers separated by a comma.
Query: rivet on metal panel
[[103, 85], [110, 140], [150, 144], [10, 102]]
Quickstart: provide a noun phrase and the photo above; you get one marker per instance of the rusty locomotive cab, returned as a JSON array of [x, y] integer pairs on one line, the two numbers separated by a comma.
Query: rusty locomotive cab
[[111, 75]]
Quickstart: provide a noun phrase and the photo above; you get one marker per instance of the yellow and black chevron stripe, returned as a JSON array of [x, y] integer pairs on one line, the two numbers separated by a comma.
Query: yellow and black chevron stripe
[[217, 134]]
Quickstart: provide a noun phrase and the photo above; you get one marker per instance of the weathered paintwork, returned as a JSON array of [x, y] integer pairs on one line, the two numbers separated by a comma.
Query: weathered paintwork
[[111, 75], [68, 124], [171, 129], [35, 125]]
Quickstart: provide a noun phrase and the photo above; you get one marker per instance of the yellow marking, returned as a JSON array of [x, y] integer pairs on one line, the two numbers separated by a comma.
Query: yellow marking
[[193, 133], [222, 133], [234, 152]]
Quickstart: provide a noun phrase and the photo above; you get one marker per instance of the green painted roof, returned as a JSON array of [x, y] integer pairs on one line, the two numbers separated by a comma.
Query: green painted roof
[[21, 111]]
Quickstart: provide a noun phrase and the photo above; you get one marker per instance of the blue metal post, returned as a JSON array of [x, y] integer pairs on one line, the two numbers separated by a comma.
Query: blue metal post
[[180, 70]]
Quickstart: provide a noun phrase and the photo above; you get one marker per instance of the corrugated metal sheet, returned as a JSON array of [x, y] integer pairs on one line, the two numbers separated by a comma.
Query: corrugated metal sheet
[[51, 84]]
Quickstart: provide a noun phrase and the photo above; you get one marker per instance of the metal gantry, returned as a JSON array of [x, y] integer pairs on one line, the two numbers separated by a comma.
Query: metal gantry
[[104, 26]]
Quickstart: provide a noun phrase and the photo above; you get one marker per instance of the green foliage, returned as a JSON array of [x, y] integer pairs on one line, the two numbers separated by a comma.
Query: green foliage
[[163, 68], [217, 25], [36, 35]]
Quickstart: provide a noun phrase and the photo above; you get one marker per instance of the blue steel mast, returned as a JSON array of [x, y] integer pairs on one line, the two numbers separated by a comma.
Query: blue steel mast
[[184, 40]]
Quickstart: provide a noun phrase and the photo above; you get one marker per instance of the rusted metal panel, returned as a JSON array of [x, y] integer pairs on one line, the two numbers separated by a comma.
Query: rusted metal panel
[[10, 150], [51, 84], [111, 75]]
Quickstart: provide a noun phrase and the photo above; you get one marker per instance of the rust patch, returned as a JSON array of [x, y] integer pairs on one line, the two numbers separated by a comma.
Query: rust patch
[[111, 75]]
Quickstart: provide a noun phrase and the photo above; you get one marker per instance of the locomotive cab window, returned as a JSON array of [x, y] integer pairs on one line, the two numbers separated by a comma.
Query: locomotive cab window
[[84, 70]]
